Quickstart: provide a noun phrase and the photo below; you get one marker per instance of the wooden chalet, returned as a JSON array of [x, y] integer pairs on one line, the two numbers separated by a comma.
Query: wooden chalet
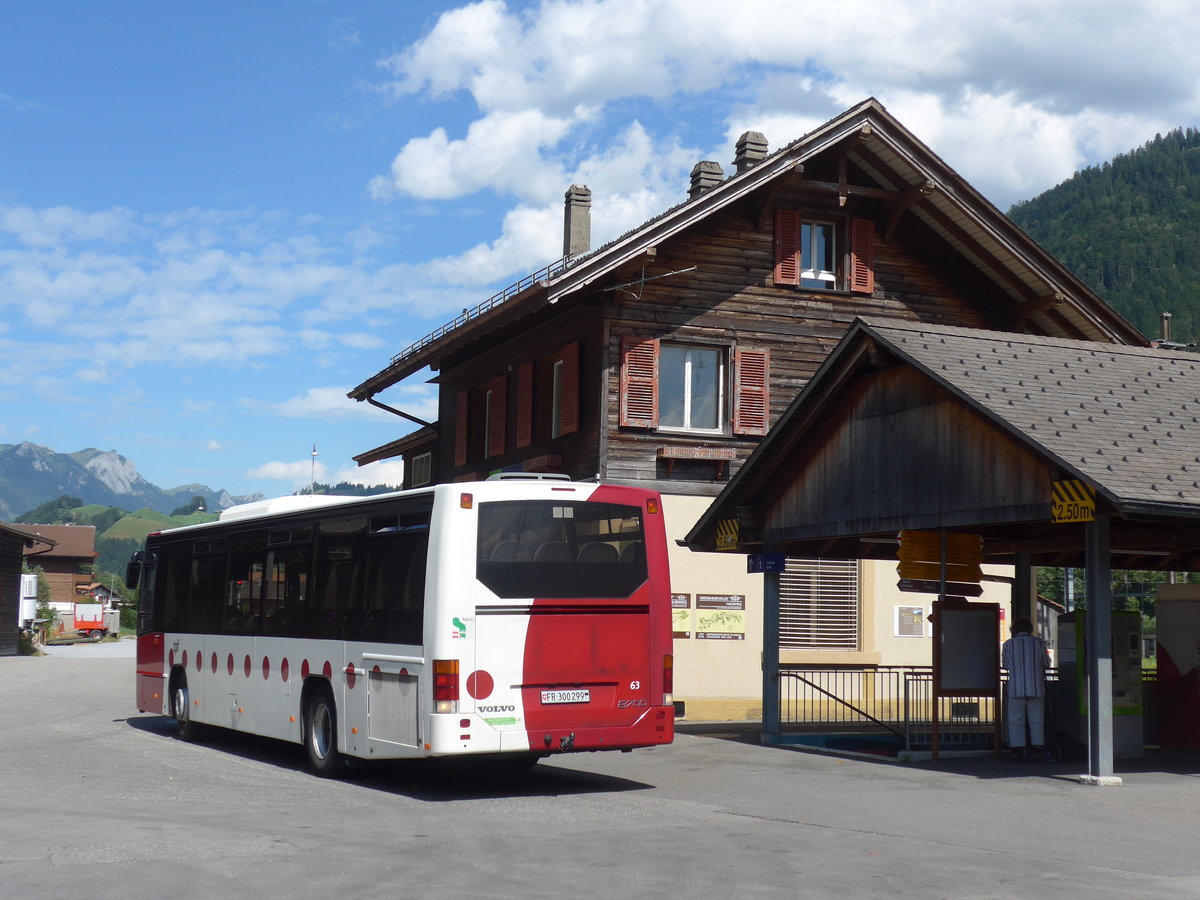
[[15, 542], [663, 357]]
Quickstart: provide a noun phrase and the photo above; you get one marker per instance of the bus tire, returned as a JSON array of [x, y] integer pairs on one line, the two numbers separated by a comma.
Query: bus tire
[[320, 734], [185, 728]]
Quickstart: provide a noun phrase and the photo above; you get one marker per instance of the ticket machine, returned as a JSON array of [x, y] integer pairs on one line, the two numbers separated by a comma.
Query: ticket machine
[[1071, 711]]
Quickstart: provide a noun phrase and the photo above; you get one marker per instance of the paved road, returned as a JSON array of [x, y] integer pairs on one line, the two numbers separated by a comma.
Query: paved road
[[97, 800]]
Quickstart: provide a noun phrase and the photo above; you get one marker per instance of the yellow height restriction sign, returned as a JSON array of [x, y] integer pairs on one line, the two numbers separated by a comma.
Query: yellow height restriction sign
[[1072, 501], [727, 534]]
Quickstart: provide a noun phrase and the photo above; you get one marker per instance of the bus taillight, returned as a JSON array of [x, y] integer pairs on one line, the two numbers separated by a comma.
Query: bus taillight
[[445, 685], [668, 680]]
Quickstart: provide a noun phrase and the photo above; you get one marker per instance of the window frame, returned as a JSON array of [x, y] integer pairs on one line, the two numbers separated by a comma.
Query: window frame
[[419, 462], [723, 355]]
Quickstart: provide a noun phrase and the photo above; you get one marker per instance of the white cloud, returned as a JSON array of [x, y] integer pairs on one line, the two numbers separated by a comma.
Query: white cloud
[[1015, 95], [386, 471], [297, 473], [328, 403], [213, 446]]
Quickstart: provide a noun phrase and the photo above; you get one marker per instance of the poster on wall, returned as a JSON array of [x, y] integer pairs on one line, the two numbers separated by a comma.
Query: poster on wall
[[681, 615], [909, 621], [721, 617]]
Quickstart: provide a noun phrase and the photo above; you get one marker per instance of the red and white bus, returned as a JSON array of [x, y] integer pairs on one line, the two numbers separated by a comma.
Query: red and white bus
[[512, 617]]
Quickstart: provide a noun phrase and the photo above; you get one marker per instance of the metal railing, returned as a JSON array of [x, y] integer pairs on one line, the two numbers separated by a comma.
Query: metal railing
[[542, 274], [886, 700], [897, 702]]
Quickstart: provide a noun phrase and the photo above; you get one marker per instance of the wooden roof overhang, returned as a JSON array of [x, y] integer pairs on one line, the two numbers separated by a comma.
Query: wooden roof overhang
[[907, 178], [909, 426], [420, 439], [27, 538]]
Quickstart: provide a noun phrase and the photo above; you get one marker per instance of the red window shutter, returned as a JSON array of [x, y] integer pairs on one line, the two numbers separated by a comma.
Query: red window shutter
[[639, 382], [525, 404], [569, 414], [751, 395], [497, 415], [461, 403], [787, 246], [862, 256]]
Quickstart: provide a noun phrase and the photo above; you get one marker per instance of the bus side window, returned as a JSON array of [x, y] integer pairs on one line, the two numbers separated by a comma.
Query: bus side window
[[174, 571], [242, 610], [208, 573], [288, 580], [395, 598]]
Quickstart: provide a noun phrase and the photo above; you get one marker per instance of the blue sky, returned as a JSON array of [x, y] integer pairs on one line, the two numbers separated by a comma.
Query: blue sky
[[217, 217]]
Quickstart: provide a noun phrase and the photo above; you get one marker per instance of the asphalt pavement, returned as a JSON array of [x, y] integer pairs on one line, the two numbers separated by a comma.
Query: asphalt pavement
[[98, 800]]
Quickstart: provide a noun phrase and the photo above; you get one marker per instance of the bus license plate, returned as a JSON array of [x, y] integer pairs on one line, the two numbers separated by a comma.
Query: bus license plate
[[577, 696]]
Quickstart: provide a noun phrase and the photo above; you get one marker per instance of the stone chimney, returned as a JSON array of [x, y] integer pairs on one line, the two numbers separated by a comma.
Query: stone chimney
[[577, 220], [751, 149], [706, 175]]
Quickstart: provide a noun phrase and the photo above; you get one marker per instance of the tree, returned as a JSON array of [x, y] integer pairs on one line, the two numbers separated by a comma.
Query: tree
[[195, 504], [53, 512]]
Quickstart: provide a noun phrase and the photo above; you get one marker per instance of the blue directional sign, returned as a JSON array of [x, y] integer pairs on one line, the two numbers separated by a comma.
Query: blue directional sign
[[765, 562]]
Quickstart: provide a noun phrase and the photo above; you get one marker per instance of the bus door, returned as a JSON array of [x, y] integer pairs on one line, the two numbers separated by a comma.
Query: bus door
[[151, 652]]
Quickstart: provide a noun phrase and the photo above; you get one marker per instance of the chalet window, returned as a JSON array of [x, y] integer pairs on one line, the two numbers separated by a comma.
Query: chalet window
[[808, 254], [556, 405], [819, 604], [691, 387], [818, 256], [422, 469], [548, 397], [687, 387]]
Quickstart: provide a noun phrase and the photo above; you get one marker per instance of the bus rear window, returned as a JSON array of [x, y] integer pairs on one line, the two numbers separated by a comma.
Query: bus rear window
[[555, 548]]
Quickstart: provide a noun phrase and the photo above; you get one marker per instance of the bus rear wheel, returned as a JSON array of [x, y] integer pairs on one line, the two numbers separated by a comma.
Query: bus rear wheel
[[320, 735]]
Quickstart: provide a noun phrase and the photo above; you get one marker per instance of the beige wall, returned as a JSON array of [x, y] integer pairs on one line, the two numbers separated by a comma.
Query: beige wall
[[722, 679], [716, 679], [883, 597]]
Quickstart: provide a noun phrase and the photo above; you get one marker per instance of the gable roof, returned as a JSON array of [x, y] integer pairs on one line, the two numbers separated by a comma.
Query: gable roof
[[27, 538], [1125, 420], [73, 541], [907, 174]]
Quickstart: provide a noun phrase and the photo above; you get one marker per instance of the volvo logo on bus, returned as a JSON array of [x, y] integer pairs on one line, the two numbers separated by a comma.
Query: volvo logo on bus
[[495, 709]]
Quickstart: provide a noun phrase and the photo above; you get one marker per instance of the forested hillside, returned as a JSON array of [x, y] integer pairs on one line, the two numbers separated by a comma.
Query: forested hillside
[[1130, 229]]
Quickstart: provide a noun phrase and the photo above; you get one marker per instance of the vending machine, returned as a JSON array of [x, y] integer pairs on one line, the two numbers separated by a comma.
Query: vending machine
[[1072, 696]]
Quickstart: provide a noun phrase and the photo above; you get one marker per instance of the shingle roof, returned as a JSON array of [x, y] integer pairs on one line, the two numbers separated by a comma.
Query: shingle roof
[[1125, 419]]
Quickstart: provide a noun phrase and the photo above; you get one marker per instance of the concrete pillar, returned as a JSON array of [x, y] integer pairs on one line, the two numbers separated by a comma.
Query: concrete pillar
[[1099, 654], [771, 720]]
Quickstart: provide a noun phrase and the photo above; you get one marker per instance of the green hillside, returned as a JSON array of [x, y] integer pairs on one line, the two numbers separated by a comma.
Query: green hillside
[[1130, 229]]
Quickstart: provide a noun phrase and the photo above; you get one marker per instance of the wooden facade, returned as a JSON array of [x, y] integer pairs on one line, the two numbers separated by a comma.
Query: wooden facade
[[730, 280]]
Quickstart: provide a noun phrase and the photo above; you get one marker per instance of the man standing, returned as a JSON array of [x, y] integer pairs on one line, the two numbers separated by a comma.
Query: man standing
[[1026, 659]]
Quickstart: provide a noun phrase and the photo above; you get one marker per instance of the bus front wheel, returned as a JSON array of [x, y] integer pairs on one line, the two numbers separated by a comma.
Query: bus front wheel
[[185, 728], [320, 734]]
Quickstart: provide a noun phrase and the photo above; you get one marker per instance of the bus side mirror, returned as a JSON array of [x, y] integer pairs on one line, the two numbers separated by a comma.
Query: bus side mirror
[[133, 571]]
